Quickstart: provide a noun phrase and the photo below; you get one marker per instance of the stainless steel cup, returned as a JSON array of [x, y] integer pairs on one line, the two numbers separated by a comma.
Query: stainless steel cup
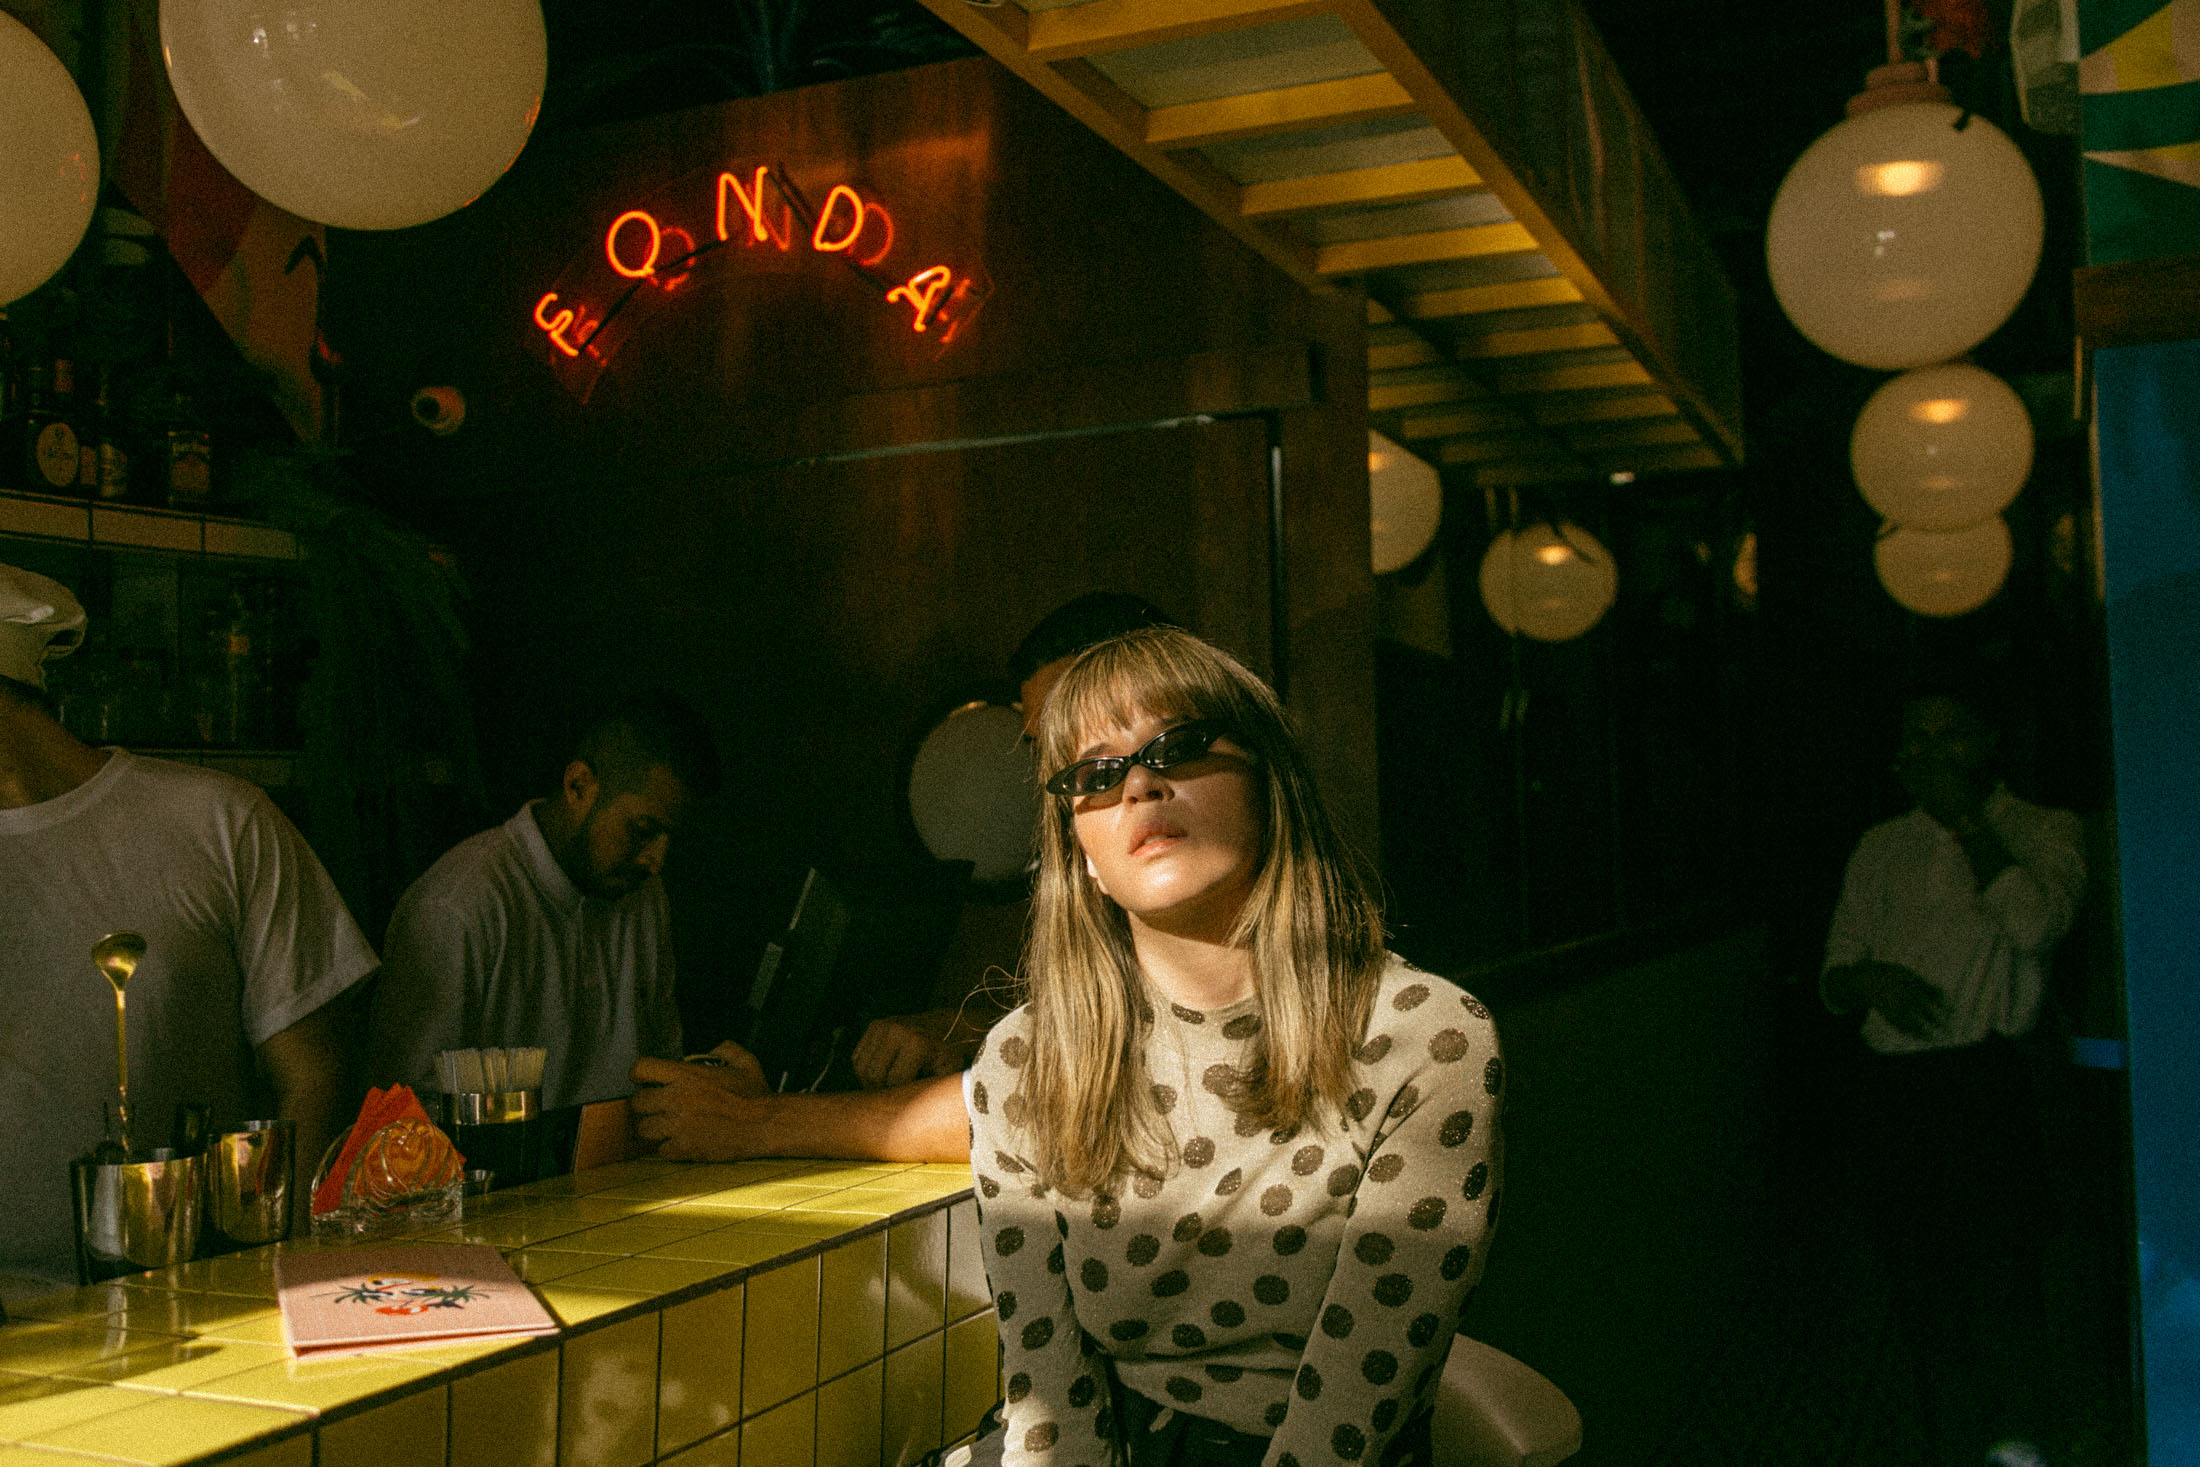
[[249, 1181], [137, 1214]]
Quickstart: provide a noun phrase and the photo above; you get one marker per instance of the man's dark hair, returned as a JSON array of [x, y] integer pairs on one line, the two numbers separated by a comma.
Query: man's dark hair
[[1085, 622], [1984, 697], [648, 731]]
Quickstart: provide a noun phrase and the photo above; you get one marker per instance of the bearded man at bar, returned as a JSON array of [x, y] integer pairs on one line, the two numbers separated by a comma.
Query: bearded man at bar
[[552, 930], [248, 945]]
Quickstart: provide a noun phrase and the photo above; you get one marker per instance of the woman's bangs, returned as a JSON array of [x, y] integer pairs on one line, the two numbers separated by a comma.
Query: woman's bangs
[[1112, 687]]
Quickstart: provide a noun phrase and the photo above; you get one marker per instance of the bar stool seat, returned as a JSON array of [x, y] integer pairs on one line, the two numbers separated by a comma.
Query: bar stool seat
[[1493, 1411]]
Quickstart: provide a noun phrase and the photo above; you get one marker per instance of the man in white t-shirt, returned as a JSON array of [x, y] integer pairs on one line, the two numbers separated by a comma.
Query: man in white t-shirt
[[247, 944], [552, 930], [1948, 919]]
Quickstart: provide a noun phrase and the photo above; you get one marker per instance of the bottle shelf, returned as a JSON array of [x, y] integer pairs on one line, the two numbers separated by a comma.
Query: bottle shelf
[[136, 527]]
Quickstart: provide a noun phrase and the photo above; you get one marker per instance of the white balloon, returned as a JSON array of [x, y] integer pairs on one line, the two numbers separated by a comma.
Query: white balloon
[[1896, 240], [1942, 447], [1405, 502], [1945, 572], [49, 162], [1548, 582], [972, 793], [367, 114]]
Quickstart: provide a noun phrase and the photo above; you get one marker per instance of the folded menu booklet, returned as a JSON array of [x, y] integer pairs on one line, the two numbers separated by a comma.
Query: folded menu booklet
[[348, 1299]]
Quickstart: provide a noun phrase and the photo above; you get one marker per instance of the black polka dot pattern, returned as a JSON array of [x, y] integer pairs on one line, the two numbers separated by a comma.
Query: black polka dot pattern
[[1019, 1386], [1012, 1109], [977, 1098], [1016, 1052], [1041, 1437], [1007, 1241], [1230, 1240], [1189, 1016]]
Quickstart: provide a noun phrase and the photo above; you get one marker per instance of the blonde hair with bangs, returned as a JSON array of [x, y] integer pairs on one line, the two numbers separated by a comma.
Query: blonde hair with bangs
[[1312, 925]]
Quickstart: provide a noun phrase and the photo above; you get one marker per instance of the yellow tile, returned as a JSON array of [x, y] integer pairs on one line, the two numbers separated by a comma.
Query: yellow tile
[[173, 1429], [922, 1184], [541, 1265], [456, 1352], [973, 1370], [408, 1432], [631, 1235], [39, 1457], [912, 1407], [72, 1305], [592, 1210], [652, 1276], [608, 1400], [848, 1418], [851, 1326], [236, 1273], [808, 1219], [864, 1202], [946, 1169], [704, 1210], [516, 1230], [967, 1290], [785, 1437], [689, 1181], [722, 1450], [570, 1306], [699, 1372], [191, 1313], [779, 1353], [780, 1194], [730, 1246], [29, 1407], [181, 1365], [507, 1416], [318, 1386], [264, 1329], [916, 1267], [295, 1452], [830, 1175], [41, 1349]]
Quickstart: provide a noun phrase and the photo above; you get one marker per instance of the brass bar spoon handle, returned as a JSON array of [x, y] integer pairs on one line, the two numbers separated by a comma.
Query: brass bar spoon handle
[[117, 956]]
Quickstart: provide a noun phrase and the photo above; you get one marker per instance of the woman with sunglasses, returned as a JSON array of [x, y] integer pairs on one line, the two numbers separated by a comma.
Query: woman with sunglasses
[[1236, 1164]]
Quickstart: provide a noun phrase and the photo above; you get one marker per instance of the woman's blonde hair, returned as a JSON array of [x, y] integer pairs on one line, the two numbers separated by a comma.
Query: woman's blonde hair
[[1312, 925]]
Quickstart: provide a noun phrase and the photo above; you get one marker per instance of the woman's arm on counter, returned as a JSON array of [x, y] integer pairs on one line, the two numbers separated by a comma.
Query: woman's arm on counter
[[712, 1113]]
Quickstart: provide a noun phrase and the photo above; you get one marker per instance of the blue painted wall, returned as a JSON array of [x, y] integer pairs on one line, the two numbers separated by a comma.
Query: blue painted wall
[[2148, 419]]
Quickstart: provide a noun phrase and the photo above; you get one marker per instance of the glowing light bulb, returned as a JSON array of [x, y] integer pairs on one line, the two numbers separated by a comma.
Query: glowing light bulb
[[1899, 180], [1941, 409], [1554, 554]]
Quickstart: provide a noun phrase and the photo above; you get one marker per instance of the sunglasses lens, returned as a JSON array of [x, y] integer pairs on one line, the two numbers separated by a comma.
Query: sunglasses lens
[[1180, 746]]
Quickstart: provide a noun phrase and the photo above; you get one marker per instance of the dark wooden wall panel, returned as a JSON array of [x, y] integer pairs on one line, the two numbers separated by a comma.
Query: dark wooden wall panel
[[746, 508]]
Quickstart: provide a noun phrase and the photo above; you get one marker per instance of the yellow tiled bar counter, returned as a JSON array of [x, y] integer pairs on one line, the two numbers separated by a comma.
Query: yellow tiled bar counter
[[772, 1314]]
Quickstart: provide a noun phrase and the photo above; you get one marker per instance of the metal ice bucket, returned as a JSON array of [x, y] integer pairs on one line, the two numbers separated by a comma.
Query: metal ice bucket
[[138, 1214], [249, 1182]]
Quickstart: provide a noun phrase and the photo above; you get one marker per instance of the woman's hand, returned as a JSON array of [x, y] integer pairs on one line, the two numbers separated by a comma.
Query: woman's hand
[[896, 1051], [1897, 994]]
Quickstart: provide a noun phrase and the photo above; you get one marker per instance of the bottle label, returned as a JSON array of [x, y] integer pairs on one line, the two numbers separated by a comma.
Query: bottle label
[[56, 452], [190, 465], [114, 471]]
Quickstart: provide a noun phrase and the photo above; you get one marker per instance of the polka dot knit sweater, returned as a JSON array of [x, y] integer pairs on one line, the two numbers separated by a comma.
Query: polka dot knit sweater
[[1303, 1285]]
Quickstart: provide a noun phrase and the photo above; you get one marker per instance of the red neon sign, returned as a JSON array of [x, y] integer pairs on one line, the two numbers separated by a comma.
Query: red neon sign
[[655, 244]]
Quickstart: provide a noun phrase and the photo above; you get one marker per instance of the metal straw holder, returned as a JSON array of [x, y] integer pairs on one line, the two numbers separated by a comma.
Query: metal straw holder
[[249, 1182], [138, 1214]]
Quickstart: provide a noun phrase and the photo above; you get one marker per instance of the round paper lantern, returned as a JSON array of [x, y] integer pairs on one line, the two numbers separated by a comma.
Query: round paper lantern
[[972, 794], [1945, 572], [1548, 582], [1406, 501], [369, 114], [49, 162], [1898, 240], [1942, 447]]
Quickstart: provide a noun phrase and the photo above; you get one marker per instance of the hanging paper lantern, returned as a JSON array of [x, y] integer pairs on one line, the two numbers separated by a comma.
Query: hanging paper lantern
[[1406, 500], [1945, 572], [49, 162], [1899, 239], [368, 114], [1549, 582], [1942, 447]]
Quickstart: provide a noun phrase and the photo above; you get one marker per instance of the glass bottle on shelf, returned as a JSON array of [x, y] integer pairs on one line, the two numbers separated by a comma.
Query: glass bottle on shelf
[[110, 455], [189, 479], [49, 439]]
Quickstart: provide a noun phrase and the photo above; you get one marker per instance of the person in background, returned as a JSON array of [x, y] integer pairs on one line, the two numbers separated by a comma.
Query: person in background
[[1947, 920], [248, 947], [1237, 1165], [911, 1106], [552, 930]]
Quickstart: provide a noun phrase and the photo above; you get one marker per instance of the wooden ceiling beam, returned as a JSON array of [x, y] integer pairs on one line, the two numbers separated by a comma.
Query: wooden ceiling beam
[[1119, 25], [1414, 353], [1647, 460], [1535, 342], [1642, 433], [1509, 472], [1604, 409], [1392, 183], [1423, 394], [1476, 242], [1575, 379], [1456, 422], [1284, 109], [1475, 300], [1494, 447]]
